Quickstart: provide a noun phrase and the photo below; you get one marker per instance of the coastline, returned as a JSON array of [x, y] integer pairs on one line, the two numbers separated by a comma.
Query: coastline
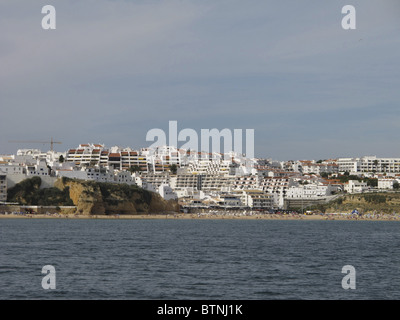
[[190, 216]]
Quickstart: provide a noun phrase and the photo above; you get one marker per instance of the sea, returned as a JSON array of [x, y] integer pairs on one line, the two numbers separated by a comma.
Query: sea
[[199, 259]]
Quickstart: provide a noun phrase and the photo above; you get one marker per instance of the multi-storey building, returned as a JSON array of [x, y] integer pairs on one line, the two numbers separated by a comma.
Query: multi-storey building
[[369, 164], [38, 169], [355, 186], [215, 182], [291, 166], [85, 155], [152, 181], [379, 165], [309, 191], [229, 200], [12, 168], [257, 199], [104, 158], [187, 181], [134, 158], [3, 187], [276, 184], [310, 166], [247, 182], [386, 183], [97, 174], [204, 182], [211, 166], [348, 165], [115, 158]]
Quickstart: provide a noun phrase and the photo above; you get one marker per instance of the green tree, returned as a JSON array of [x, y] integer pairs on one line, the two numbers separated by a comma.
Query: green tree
[[173, 168], [134, 169], [324, 174], [61, 159], [375, 198], [371, 182]]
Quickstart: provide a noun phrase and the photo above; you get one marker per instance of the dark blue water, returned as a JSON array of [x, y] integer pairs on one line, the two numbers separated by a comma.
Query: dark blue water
[[199, 259]]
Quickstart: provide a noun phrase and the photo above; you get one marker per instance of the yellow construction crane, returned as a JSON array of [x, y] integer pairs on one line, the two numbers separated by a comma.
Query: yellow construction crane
[[32, 141]]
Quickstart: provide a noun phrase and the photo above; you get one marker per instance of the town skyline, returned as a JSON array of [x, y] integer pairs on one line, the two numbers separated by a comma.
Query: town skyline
[[60, 149], [198, 179]]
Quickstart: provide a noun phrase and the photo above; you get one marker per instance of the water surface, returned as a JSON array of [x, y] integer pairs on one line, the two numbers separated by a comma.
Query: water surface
[[199, 259]]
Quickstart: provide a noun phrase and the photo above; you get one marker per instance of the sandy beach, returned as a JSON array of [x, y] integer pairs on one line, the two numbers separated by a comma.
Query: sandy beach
[[327, 217]]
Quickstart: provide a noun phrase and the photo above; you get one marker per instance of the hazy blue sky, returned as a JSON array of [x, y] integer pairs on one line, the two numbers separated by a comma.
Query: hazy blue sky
[[112, 70]]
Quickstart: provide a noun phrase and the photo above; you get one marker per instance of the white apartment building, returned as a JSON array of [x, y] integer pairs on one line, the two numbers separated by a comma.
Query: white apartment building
[[210, 166], [292, 166], [31, 156], [153, 181], [379, 165], [278, 187], [38, 169], [386, 183], [96, 174], [247, 182], [166, 192], [3, 187], [187, 181], [309, 191], [257, 199], [35, 154], [6, 158], [308, 167], [16, 172], [229, 201], [276, 184], [162, 158], [123, 177], [85, 155], [369, 164], [190, 193], [355, 186], [348, 165], [12, 168], [133, 158], [204, 182], [116, 158], [215, 182], [147, 160]]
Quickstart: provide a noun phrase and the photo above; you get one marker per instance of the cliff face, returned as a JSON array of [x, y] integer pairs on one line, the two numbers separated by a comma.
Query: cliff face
[[94, 198]]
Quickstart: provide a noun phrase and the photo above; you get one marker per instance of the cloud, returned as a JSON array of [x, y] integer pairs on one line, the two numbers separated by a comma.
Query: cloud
[[114, 69]]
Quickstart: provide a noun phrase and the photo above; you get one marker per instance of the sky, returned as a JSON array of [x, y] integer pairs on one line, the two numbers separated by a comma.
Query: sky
[[113, 70]]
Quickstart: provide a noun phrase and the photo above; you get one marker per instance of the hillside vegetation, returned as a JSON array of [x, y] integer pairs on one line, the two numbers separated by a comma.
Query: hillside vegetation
[[91, 197], [383, 202], [28, 192]]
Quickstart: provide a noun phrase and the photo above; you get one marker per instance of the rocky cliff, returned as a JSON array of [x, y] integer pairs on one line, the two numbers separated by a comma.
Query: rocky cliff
[[94, 198]]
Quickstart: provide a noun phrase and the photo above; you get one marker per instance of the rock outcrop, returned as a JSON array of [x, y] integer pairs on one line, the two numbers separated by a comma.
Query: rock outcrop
[[97, 198]]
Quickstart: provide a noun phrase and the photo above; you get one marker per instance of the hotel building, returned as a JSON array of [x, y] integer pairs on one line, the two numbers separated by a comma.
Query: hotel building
[[369, 164]]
